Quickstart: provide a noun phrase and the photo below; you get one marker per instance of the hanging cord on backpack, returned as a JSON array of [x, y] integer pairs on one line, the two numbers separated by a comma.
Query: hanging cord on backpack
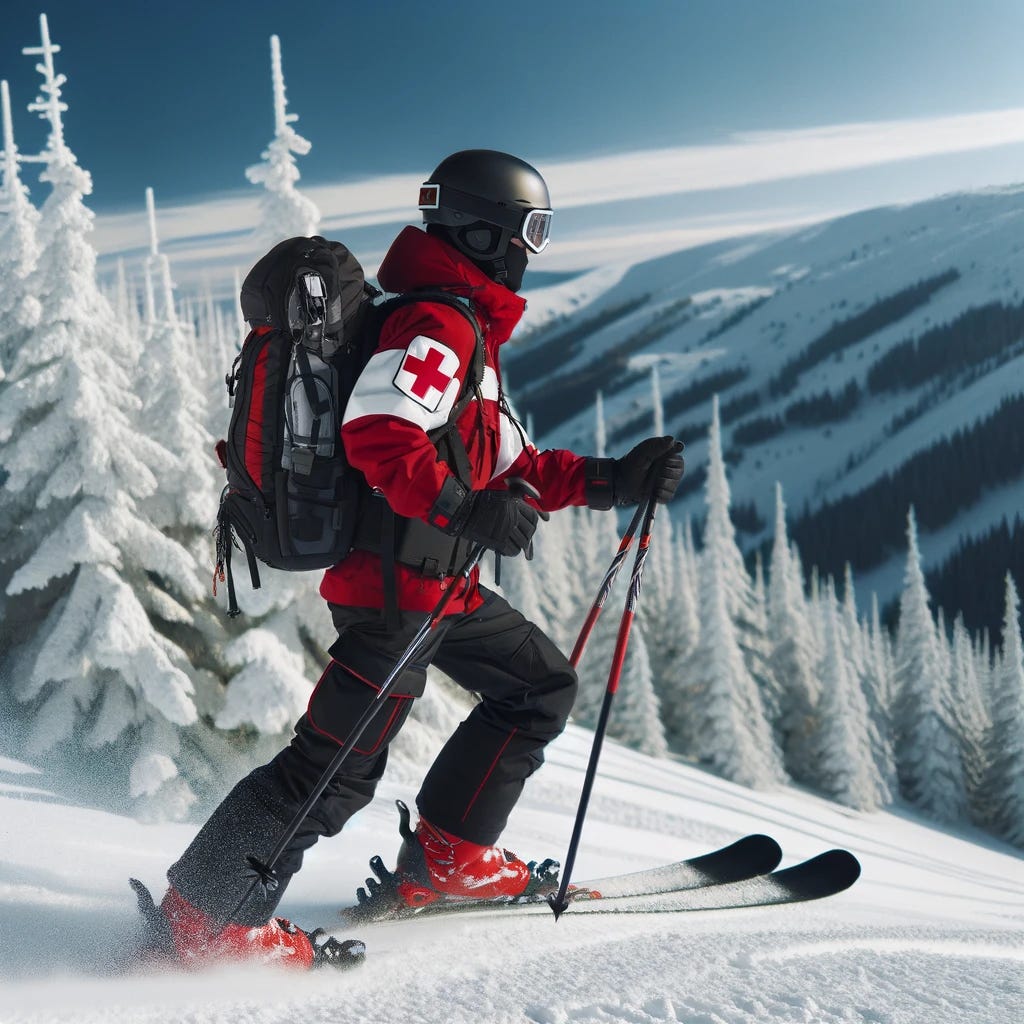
[[224, 540]]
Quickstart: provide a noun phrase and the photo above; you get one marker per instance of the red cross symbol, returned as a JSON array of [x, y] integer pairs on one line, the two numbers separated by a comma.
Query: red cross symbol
[[427, 372]]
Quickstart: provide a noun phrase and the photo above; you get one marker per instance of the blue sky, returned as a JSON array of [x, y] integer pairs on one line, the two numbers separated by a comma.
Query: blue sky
[[178, 97]]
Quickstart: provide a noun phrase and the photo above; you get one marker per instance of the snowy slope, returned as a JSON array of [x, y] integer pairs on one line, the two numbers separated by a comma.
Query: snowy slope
[[784, 291], [933, 932]]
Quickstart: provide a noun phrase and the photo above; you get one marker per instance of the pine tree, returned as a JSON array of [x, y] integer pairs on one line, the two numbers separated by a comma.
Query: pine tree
[[927, 750], [657, 407], [668, 613], [600, 427], [556, 578], [657, 611], [719, 533], [1006, 745], [730, 727], [92, 669], [758, 646], [284, 211], [876, 682], [174, 406], [19, 246], [675, 687], [971, 718], [635, 716], [846, 770], [851, 623], [793, 655], [292, 622]]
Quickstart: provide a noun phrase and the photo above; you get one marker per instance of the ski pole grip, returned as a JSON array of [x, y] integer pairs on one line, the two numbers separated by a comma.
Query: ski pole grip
[[523, 489]]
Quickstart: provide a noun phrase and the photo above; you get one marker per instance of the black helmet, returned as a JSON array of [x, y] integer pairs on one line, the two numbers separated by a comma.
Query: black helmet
[[483, 199]]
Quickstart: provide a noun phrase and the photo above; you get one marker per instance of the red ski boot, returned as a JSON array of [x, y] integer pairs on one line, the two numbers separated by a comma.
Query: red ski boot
[[437, 865], [185, 933], [198, 940]]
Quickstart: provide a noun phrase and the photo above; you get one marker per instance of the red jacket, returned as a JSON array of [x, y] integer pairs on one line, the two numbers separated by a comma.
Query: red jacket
[[409, 386]]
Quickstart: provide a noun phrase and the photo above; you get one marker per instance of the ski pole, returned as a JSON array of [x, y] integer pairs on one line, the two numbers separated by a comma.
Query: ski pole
[[605, 589], [558, 901]]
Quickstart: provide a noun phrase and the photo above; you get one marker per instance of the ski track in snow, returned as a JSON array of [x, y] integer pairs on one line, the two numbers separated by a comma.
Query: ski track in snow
[[932, 933]]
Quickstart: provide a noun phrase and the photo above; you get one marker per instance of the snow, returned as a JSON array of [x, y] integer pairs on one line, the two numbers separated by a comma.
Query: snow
[[932, 932]]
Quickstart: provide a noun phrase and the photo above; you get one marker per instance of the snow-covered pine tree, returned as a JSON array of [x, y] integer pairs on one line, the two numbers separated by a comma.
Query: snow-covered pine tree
[[241, 327], [1006, 739], [985, 668], [669, 621], [93, 672], [793, 655], [675, 686], [931, 774], [657, 407], [126, 301], [174, 406], [19, 311], [719, 533], [687, 623], [730, 728], [553, 583], [19, 245], [657, 611], [284, 211], [292, 620], [972, 720], [845, 767], [851, 623], [600, 427], [757, 643], [876, 682], [636, 715]]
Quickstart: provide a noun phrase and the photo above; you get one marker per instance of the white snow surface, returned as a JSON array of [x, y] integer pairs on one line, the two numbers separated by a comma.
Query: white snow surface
[[933, 931]]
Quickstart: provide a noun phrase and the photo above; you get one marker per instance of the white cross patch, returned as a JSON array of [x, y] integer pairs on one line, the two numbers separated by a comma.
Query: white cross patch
[[426, 372]]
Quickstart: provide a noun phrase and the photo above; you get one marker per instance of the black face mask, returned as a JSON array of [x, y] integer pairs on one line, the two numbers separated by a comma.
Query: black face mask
[[474, 240], [514, 266]]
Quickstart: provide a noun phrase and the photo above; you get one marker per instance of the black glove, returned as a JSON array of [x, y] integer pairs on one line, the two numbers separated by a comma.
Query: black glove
[[500, 520], [654, 466]]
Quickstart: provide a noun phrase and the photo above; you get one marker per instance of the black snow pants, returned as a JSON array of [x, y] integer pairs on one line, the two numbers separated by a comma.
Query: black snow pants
[[526, 689]]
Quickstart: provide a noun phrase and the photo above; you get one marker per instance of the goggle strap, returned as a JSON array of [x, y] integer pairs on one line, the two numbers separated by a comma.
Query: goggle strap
[[432, 197]]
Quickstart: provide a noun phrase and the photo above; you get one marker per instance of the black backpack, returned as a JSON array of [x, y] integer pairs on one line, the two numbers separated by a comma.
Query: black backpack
[[291, 500]]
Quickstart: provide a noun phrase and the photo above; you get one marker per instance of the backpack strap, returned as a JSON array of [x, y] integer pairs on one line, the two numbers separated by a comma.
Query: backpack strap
[[447, 439]]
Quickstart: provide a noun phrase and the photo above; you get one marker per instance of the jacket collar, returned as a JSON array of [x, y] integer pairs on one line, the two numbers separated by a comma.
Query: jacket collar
[[419, 260]]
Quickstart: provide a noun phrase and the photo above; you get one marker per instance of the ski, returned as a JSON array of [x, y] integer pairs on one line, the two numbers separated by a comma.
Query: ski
[[826, 875], [747, 858]]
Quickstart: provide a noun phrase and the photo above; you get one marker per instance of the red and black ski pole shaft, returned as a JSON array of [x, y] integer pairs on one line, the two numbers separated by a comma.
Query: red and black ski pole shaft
[[558, 901], [606, 588]]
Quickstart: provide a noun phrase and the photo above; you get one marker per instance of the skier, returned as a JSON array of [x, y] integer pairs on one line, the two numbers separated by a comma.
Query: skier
[[485, 213]]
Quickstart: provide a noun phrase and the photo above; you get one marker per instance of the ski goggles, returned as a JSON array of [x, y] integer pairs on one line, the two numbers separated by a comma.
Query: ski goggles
[[531, 227]]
